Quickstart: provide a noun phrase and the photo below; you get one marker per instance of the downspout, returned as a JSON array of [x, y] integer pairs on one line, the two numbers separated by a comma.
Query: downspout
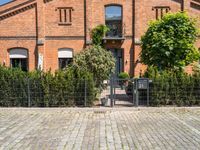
[[182, 5], [133, 37], [85, 24], [36, 30]]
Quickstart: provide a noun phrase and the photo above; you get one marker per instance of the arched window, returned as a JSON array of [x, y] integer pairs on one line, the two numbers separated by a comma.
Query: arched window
[[113, 19], [65, 57], [19, 58]]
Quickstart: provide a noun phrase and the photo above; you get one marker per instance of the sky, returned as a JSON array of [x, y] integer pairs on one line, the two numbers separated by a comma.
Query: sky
[[4, 1]]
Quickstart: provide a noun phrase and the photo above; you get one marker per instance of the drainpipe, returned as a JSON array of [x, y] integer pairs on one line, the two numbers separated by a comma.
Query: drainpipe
[[133, 37], [85, 23], [182, 5], [40, 31]]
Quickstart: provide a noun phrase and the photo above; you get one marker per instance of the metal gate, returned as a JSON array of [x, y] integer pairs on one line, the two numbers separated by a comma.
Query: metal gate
[[125, 92], [122, 92]]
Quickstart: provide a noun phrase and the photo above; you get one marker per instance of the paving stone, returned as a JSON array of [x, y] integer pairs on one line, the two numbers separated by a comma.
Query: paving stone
[[115, 129]]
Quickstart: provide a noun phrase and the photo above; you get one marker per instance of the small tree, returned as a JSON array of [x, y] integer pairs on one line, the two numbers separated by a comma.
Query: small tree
[[169, 42], [98, 61]]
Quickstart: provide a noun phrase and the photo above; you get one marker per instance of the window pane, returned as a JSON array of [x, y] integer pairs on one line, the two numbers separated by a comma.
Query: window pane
[[15, 63], [113, 20], [113, 13], [19, 63], [24, 64], [64, 62]]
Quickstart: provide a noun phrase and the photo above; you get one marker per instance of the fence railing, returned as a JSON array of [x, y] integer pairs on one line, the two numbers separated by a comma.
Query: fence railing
[[33, 93], [179, 92], [37, 93], [175, 93]]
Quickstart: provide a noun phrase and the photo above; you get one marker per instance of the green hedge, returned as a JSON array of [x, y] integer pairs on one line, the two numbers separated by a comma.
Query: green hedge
[[70, 87], [172, 88]]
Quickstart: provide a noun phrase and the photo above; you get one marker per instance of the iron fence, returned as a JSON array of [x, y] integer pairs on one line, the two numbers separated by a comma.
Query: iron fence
[[181, 93], [177, 92], [34, 93]]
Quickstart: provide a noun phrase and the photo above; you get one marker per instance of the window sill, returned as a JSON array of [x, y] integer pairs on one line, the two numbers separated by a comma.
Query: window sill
[[64, 23], [114, 38]]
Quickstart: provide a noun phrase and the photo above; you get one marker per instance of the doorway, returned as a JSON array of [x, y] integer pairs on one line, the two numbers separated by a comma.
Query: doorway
[[118, 55]]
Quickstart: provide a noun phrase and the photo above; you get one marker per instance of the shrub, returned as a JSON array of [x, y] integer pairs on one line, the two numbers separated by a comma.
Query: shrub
[[174, 88], [64, 88], [97, 61], [168, 43], [124, 75]]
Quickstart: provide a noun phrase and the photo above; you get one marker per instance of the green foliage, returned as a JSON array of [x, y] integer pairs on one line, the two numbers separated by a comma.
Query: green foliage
[[98, 61], [174, 88], [124, 78], [124, 75], [64, 88], [168, 43], [98, 33]]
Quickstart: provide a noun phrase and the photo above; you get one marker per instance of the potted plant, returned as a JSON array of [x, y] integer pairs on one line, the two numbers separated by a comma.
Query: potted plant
[[123, 79]]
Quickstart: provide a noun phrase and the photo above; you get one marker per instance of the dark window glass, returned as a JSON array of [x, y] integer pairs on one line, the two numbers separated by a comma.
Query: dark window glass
[[21, 63], [113, 15], [64, 62]]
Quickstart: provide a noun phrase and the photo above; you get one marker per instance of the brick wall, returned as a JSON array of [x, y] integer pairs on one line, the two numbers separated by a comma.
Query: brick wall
[[25, 22]]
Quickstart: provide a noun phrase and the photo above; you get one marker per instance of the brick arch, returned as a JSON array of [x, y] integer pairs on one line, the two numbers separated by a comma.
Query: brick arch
[[113, 4], [9, 49], [22, 48]]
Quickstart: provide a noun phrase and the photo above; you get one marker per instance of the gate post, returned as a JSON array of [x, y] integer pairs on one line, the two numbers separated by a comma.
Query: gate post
[[111, 92], [28, 90], [136, 93], [85, 96]]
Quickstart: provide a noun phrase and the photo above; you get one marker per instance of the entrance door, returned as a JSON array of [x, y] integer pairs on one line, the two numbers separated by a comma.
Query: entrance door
[[118, 54]]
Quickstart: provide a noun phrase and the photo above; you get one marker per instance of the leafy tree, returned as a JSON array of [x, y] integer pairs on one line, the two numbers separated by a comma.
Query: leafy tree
[[168, 43], [98, 61], [98, 33]]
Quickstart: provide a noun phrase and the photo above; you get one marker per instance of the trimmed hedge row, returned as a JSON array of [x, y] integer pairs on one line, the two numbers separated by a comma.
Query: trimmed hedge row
[[170, 88], [71, 87]]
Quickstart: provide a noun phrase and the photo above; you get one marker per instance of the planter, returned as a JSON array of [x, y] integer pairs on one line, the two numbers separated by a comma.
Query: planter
[[123, 87], [105, 102], [123, 84]]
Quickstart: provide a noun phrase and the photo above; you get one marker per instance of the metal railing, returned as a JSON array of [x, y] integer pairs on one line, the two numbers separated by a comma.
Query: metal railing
[[178, 93], [117, 30], [155, 92]]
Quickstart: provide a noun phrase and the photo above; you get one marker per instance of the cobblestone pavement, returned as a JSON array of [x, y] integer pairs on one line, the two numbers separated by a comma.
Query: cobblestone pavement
[[103, 128]]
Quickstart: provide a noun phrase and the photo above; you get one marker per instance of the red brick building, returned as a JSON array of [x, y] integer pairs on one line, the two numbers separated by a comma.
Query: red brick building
[[47, 33]]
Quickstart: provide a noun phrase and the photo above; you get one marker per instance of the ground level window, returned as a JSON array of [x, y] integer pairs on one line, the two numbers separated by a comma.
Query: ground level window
[[64, 62], [65, 57], [19, 58], [19, 63]]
